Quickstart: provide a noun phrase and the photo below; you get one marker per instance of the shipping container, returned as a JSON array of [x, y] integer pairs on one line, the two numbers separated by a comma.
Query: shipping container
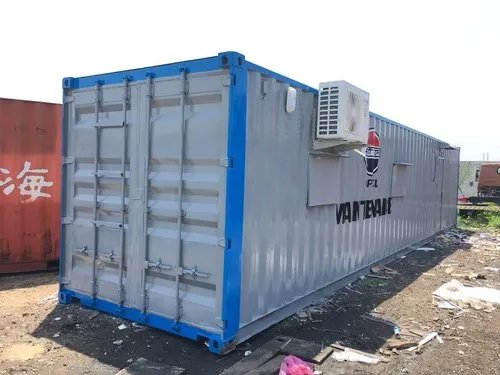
[[194, 203], [489, 179], [30, 174], [479, 181]]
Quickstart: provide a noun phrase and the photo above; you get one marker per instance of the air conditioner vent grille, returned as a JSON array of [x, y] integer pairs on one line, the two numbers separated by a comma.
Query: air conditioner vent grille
[[342, 113], [329, 107]]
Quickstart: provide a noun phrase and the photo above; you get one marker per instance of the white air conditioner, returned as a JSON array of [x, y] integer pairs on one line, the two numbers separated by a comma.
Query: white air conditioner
[[343, 115]]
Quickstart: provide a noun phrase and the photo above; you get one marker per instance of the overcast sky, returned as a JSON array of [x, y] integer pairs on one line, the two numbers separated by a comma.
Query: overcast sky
[[431, 65]]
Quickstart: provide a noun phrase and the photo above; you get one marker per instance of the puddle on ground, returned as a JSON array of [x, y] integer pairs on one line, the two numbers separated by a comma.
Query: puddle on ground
[[22, 351]]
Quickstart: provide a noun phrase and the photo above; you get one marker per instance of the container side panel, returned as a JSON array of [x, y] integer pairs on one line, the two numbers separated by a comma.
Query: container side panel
[[450, 187], [291, 250], [145, 278], [30, 164]]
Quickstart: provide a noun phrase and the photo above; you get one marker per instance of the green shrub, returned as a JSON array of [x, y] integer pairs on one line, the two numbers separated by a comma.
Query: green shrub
[[483, 219]]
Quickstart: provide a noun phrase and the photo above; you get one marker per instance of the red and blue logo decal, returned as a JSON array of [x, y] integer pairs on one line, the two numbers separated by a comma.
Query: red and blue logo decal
[[372, 152]]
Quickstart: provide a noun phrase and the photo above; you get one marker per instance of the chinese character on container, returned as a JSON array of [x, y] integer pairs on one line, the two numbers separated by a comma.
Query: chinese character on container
[[29, 181]]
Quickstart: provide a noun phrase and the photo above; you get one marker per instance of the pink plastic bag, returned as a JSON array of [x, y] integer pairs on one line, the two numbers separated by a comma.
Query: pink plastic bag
[[292, 365]]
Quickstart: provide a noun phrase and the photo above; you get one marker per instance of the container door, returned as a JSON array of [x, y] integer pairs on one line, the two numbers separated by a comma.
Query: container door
[[145, 186], [442, 179], [449, 188], [437, 190], [99, 123]]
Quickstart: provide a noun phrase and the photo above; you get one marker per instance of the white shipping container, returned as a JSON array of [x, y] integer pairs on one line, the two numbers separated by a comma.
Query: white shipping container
[[193, 200]]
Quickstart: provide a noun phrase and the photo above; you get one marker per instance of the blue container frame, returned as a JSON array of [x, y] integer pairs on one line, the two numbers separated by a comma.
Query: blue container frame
[[231, 284]]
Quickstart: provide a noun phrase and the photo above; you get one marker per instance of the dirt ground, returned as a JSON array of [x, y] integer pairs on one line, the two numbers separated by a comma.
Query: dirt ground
[[38, 336]]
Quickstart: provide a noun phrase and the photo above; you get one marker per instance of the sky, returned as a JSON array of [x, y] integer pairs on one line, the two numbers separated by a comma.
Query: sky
[[431, 65]]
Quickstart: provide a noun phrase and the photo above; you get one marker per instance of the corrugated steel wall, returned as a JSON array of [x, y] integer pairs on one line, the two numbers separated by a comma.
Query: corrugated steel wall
[[290, 249], [30, 165]]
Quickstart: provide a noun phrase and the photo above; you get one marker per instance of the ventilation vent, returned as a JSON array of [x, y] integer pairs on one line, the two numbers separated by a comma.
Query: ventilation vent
[[328, 119]]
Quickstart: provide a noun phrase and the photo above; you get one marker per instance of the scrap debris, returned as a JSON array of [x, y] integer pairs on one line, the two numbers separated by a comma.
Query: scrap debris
[[350, 356], [343, 353], [321, 356], [269, 357], [418, 346], [307, 313], [494, 269], [468, 276], [94, 315], [377, 276], [373, 317], [145, 366], [382, 272], [349, 288], [426, 249], [401, 344], [454, 294], [425, 340], [450, 238], [397, 332]]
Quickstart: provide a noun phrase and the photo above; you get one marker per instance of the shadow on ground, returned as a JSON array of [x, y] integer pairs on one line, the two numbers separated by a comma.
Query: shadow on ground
[[93, 335], [20, 280]]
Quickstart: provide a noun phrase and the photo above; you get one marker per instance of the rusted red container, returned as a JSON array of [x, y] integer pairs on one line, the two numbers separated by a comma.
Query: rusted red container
[[30, 165], [489, 179]]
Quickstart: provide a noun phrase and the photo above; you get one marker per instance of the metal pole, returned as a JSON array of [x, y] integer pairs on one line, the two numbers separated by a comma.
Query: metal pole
[[96, 181], [149, 96], [121, 291], [180, 212], [442, 158]]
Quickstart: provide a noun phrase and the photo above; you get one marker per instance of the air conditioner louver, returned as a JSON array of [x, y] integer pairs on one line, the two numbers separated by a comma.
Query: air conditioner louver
[[343, 113], [328, 111]]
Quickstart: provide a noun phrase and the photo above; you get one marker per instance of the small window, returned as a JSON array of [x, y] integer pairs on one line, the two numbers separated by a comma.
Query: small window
[[324, 180], [400, 179], [498, 170]]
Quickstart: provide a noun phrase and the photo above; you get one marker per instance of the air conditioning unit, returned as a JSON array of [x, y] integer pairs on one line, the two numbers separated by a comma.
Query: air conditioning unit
[[343, 116]]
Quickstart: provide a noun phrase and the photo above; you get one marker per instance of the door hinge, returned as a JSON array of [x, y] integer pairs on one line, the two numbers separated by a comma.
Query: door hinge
[[231, 80], [221, 323], [66, 220], [263, 87], [68, 160], [224, 242], [68, 99], [126, 89], [150, 86], [227, 162]]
